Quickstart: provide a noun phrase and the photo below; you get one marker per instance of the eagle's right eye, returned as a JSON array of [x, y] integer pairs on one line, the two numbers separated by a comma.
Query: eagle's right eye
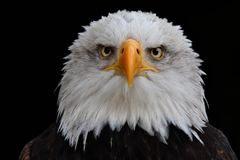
[[105, 52]]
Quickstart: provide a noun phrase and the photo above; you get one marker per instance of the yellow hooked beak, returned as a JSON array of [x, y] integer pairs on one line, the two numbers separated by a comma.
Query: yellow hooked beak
[[130, 61]]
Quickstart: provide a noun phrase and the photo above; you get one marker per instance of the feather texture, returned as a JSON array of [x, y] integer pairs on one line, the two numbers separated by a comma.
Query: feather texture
[[91, 98], [129, 144]]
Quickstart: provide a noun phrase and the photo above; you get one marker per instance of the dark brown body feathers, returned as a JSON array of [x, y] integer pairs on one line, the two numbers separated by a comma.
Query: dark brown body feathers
[[130, 144]]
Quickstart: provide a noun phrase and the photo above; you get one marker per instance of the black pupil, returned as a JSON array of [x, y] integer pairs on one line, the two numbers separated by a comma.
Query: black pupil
[[155, 51], [107, 50]]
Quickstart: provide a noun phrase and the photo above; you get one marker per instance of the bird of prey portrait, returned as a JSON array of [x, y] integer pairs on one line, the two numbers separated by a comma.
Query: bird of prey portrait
[[131, 90]]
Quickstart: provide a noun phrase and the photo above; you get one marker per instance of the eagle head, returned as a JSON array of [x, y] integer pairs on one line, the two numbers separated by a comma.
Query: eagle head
[[131, 68]]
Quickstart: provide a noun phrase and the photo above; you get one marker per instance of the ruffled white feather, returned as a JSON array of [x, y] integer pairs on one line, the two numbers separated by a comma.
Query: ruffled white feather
[[90, 98]]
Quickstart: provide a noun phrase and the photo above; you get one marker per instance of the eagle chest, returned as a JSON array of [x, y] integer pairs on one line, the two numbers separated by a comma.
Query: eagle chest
[[126, 144]]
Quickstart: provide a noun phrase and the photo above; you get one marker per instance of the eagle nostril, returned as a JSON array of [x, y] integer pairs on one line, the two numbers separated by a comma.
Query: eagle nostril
[[138, 51], [122, 50]]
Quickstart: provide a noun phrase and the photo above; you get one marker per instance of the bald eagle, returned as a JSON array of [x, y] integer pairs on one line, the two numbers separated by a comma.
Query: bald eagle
[[131, 90]]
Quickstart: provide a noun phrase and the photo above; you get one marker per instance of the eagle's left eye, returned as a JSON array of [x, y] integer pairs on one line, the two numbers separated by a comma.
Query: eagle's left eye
[[157, 53], [105, 52]]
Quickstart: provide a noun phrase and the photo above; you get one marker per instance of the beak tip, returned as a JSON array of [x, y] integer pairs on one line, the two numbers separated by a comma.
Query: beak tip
[[129, 82]]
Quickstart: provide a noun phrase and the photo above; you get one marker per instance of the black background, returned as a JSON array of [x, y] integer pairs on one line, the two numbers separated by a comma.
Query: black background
[[38, 36]]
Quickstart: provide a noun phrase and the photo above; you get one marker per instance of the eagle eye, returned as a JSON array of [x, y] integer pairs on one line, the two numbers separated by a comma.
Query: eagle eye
[[157, 53], [105, 52]]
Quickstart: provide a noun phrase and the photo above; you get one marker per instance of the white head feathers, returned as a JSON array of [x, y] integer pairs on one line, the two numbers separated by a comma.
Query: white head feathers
[[91, 98]]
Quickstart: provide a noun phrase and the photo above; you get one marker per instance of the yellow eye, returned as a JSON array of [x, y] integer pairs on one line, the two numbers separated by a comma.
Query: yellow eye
[[105, 51], [157, 53]]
